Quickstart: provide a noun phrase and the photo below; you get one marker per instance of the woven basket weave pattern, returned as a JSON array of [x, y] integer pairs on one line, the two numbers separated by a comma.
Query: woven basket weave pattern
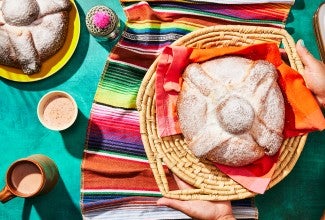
[[172, 151]]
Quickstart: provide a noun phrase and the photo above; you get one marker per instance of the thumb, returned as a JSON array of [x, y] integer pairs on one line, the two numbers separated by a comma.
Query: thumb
[[173, 203], [306, 57]]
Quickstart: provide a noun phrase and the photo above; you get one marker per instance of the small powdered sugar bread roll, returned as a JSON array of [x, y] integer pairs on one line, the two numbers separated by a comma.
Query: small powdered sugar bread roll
[[231, 110]]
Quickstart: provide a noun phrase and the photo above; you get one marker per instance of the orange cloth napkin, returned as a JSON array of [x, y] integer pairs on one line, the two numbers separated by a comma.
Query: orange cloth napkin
[[302, 113]]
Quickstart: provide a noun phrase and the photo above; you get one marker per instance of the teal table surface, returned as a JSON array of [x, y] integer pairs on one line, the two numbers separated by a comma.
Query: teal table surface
[[299, 196], [21, 134]]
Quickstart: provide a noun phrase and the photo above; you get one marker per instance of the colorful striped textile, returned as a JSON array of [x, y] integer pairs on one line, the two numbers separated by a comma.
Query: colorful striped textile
[[117, 181]]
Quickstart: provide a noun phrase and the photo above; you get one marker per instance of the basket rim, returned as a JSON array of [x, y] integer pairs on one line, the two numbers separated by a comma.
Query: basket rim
[[223, 188]]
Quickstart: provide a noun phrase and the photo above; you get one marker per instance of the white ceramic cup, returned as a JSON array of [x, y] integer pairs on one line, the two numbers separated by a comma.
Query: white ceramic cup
[[57, 110]]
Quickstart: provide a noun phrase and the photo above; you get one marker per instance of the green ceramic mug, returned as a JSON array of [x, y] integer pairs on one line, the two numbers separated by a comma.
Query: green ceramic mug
[[29, 177]]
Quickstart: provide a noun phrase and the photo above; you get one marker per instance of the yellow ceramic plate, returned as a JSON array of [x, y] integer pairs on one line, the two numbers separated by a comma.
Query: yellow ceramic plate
[[54, 63]]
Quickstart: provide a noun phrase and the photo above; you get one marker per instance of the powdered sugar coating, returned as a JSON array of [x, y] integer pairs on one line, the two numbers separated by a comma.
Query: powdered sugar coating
[[235, 115], [49, 38], [20, 12], [40, 27], [243, 114]]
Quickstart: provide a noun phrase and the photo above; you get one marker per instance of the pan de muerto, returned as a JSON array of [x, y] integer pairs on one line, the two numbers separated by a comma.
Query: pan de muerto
[[231, 110], [31, 31]]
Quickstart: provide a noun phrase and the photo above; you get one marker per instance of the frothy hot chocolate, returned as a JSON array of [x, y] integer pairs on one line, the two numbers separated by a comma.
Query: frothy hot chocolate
[[58, 112], [26, 178]]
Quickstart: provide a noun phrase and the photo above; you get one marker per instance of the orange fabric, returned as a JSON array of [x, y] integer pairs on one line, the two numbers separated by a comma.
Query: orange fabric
[[247, 177], [302, 113], [120, 173], [265, 51], [255, 176]]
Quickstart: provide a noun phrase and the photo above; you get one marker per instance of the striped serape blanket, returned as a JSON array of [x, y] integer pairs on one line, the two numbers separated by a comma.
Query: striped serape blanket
[[117, 181]]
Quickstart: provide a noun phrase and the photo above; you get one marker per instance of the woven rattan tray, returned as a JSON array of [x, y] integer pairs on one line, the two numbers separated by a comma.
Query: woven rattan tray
[[209, 182]]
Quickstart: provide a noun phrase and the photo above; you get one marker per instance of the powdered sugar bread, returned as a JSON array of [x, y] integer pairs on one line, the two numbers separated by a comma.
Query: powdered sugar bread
[[31, 31], [231, 110]]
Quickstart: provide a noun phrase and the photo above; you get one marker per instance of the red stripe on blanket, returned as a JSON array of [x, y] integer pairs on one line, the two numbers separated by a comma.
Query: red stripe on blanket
[[106, 172]]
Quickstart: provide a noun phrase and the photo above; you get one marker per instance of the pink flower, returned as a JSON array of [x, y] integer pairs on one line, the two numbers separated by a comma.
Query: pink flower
[[101, 19]]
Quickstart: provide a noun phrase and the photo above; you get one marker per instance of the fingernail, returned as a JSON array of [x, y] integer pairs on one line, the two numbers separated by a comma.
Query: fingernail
[[302, 43]]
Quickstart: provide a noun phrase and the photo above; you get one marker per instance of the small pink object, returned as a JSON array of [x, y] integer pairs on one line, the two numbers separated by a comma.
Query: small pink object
[[101, 19]]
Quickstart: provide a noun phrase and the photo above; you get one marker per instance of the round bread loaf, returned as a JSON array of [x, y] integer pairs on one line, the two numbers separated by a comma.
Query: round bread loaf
[[31, 31], [231, 110]]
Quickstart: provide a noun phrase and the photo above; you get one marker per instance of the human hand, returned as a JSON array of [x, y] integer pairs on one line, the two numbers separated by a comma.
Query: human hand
[[199, 209], [314, 72]]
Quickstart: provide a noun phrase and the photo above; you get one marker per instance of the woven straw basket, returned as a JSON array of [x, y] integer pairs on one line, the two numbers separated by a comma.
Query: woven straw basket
[[209, 182]]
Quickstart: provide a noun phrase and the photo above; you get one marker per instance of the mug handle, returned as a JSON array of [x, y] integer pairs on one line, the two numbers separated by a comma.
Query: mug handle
[[6, 195]]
